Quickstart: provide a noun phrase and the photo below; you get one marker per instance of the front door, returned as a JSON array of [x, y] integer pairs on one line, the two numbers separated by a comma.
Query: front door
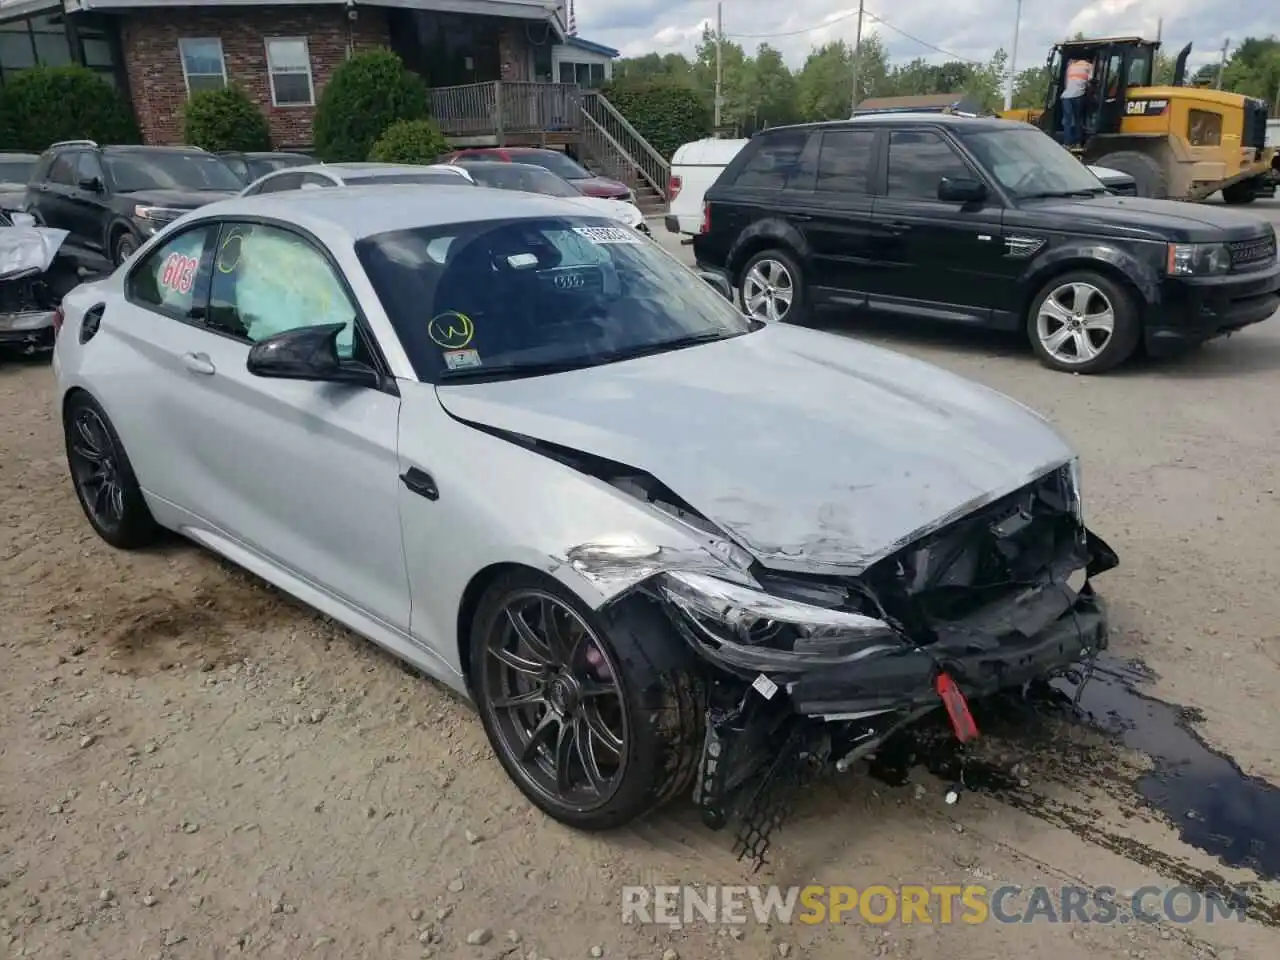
[[87, 208], [942, 260], [302, 473]]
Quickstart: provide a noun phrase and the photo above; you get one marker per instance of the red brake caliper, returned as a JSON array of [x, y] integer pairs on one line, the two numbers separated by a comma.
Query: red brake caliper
[[957, 708]]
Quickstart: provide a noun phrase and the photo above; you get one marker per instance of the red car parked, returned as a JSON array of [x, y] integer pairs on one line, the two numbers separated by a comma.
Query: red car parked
[[587, 183]]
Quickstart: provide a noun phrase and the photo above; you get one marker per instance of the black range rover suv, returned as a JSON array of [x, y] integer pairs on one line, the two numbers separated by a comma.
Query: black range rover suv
[[979, 221]]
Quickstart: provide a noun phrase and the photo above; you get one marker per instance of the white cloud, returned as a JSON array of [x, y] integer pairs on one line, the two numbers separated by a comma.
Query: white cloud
[[916, 28]]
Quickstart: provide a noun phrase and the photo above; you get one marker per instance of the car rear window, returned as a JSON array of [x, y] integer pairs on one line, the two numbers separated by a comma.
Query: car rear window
[[779, 161]]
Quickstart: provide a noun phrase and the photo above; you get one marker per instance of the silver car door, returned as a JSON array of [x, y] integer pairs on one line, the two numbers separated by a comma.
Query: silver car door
[[150, 341], [302, 473]]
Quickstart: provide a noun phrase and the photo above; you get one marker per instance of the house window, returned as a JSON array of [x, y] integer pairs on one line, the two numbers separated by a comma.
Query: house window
[[589, 76], [202, 64], [289, 63]]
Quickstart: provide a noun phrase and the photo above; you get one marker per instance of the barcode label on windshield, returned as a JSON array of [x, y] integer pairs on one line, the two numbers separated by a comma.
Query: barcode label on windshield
[[607, 234]]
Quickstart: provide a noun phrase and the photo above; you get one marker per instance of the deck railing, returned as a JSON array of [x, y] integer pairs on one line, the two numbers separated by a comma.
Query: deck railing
[[505, 107]]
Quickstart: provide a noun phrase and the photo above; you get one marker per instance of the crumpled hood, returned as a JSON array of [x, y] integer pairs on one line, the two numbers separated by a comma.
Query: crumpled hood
[[814, 452]]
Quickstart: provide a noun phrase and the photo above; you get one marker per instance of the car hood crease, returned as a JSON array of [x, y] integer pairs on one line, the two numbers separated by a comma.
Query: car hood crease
[[815, 453]]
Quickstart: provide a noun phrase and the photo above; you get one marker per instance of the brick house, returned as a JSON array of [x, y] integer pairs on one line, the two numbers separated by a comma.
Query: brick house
[[282, 53]]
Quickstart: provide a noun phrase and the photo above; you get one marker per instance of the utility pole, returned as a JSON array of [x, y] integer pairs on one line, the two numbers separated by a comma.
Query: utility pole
[[719, 38], [857, 59], [1159, 28], [1013, 60], [1222, 64]]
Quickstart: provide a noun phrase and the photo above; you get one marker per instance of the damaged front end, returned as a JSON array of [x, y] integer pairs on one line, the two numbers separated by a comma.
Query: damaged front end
[[811, 671], [34, 277]]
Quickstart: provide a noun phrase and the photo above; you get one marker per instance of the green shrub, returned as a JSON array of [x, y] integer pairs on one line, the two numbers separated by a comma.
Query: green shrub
[[667, 113], [410, 141], [365, 96], [43, 105], [225, 120]]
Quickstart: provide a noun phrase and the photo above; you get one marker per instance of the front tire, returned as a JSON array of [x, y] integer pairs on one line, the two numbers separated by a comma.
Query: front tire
[[125, 246], [1083, 322], [772, 287], [1239, 193], [596, 721], [103, 477]]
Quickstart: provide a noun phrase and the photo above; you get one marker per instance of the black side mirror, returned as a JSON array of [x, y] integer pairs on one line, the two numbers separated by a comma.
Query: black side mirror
[[92, 184], [720, 284], [308, 353], [961, 190]]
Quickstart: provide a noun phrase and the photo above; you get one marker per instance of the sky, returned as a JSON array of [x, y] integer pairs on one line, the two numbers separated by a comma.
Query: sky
[[968, 29]]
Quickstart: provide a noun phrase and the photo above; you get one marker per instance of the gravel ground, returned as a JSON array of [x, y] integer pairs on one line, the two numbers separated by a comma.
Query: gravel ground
[[193, 766]]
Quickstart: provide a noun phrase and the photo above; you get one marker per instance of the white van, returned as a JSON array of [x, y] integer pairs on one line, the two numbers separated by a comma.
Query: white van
[[694, 168]]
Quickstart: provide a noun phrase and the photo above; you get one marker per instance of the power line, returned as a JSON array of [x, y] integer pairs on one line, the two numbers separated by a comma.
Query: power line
[[846, 16]]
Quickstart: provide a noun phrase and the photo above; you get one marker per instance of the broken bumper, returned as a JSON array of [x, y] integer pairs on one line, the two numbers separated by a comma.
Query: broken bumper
[[906, 680]]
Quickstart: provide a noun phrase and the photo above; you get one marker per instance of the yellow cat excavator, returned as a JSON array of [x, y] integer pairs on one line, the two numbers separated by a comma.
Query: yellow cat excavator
[[1177, 142]]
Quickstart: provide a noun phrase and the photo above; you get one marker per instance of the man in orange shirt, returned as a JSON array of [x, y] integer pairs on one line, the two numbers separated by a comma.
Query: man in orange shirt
[[1079, 73]]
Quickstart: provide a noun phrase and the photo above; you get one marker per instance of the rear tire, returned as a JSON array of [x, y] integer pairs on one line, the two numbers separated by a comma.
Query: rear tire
[[627, 690], [772, 287], [1147, 174], [1239, 193], [1083, 322], [103, 477]]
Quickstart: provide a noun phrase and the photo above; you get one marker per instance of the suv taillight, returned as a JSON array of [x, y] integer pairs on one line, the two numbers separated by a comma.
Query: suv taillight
[[58, 317], [706, 217], [673, 187]]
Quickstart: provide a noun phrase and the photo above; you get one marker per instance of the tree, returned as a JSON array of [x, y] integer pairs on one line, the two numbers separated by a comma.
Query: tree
[[225, 120], [1031, 88], [985, 84], [45, 104], [770, 89], [366, 94], [409, 141], [1253, 68]]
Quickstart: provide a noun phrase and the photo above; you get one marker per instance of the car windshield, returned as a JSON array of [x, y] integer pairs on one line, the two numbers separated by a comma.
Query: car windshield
[[496, 299], [15, 171], [365, 180], [556, 162], [261, 166], [171, 171], [523, 176], [1028, 163]]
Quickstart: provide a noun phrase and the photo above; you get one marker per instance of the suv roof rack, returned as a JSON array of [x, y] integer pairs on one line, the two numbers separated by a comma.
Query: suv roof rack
[[74, 143]]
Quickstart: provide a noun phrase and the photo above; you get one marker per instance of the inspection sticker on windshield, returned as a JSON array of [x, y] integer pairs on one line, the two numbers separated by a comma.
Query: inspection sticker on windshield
[[461, 359], [607, 235]]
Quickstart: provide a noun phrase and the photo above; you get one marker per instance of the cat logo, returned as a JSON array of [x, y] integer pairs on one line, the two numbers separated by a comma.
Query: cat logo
[[1145, 108]]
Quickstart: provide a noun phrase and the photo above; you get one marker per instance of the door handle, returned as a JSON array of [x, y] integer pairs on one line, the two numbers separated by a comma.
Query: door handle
[[800, 217], [198, 363], [897, 227], [421, 483]]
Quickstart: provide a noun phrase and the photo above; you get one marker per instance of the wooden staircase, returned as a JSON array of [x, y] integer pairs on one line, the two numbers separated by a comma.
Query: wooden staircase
[[521, 113]]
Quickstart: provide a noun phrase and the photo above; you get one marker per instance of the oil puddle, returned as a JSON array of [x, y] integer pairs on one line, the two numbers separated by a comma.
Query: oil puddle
[[1052, 734]]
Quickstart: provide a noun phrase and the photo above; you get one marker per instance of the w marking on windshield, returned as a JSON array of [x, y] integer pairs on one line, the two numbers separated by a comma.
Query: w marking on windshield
[[451, 330]]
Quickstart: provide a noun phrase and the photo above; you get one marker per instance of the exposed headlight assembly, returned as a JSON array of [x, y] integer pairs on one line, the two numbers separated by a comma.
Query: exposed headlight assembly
[[1198, 259], [751, 630]]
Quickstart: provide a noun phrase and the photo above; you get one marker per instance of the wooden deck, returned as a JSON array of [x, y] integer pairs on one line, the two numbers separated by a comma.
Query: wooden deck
[[508, 113]]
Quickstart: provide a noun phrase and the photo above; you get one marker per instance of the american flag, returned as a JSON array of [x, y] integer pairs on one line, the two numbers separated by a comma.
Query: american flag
[[573, 21]]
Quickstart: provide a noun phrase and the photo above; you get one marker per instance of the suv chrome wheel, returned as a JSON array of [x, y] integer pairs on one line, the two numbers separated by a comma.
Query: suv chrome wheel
[[768, 290], [1075, 323]]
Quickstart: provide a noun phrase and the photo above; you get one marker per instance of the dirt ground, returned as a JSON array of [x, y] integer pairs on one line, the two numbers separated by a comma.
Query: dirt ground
[[194, 766]]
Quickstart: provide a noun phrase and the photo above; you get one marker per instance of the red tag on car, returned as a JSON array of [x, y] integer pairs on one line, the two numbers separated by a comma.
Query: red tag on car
[[957, 707]]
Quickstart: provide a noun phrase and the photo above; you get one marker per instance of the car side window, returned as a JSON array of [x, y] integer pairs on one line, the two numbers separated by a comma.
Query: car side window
[[776, 163], [278, 184], [315, 180], [267, 280], [63, 169], [238, 167], [88, 167], [918, 160], [174, 276], [844, 166]]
